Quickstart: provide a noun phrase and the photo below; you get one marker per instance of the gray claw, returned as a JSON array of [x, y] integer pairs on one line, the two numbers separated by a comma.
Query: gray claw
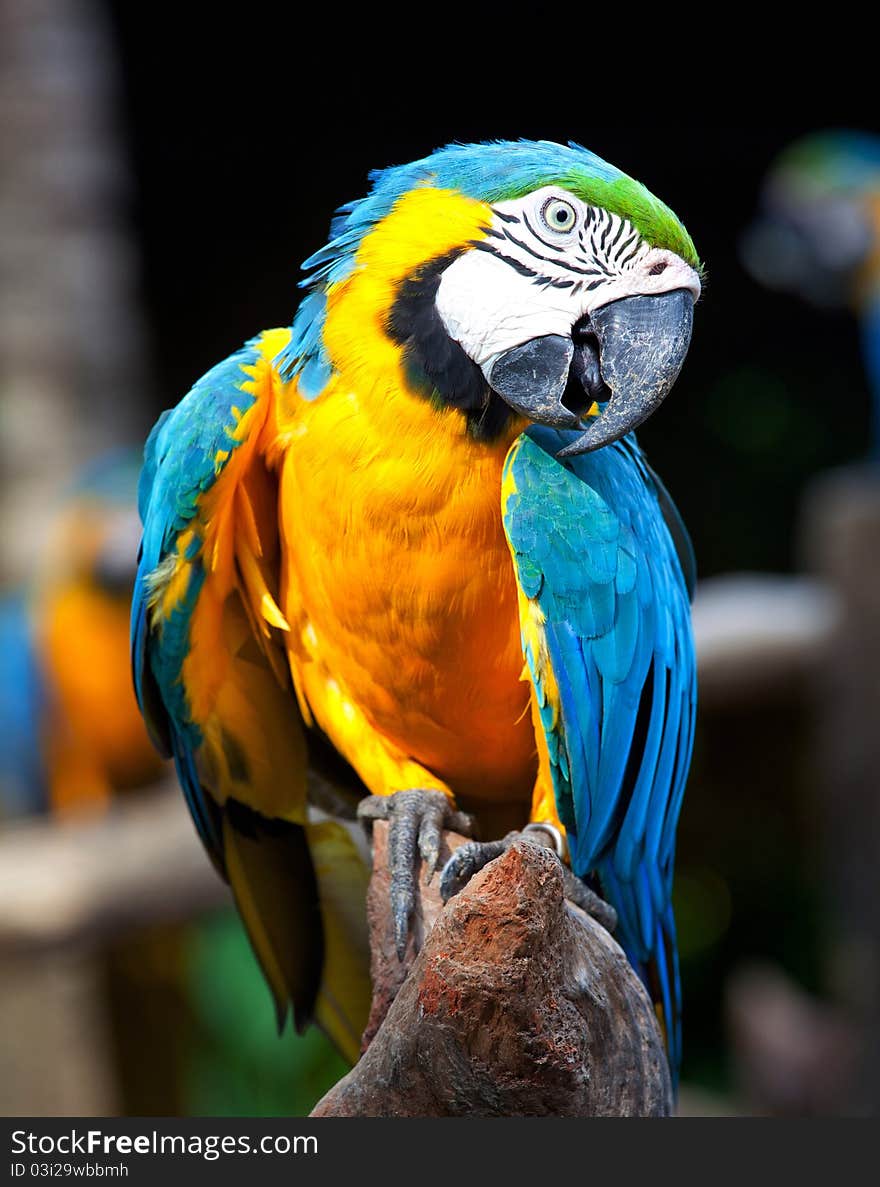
[[374, 807], [470, 858], [467, 860], [417, 820], [577, 892]]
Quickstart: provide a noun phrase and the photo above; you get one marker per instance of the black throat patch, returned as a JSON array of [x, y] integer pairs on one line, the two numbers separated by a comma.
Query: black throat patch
[[436, 366]]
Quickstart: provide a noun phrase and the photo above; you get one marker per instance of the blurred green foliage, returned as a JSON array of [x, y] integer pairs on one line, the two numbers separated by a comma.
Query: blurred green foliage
[[240, 1066]]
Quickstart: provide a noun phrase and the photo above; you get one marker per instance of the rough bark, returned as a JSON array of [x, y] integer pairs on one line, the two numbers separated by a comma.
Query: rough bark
[[517, 1004]]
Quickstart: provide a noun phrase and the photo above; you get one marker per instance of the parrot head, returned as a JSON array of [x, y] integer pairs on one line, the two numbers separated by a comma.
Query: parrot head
[[517, 280], [819, 219], [95, 537]]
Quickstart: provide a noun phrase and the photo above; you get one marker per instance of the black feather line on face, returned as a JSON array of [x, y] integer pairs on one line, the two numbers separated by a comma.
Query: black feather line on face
[[436, 366]]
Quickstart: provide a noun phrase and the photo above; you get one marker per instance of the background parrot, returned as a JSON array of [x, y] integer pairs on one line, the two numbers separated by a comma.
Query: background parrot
[[819, 235], [407, 549], [72, 731], [73, 740]]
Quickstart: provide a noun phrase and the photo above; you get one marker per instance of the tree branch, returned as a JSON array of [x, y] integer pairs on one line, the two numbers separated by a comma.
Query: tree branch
[[517, 1004]]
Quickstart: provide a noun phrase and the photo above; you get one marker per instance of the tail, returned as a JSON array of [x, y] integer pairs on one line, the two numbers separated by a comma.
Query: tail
[[648, 938], [343, 1002], [301, 892], [661, 978]]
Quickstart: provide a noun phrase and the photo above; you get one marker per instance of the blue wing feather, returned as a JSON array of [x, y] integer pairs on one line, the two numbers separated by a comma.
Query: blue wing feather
[[599, 547], [182, 458]]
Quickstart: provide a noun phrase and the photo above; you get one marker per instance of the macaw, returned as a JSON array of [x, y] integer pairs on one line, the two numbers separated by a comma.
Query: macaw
[[407, 552], [74, 739], [73, 733], [818, 235]]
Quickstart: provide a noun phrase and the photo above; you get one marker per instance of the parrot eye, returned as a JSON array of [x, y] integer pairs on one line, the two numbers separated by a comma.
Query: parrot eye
[[558, 215]]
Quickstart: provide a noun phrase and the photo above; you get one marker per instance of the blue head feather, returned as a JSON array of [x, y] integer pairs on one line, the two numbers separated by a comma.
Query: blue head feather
[[489, 172]]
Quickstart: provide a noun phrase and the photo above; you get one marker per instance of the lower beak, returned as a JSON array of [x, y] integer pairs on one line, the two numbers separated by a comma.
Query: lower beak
[[626, 355]]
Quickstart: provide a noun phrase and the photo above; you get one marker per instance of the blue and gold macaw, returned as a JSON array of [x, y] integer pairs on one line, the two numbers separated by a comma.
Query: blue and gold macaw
[[72, 732], [407, 552], [819, 235]]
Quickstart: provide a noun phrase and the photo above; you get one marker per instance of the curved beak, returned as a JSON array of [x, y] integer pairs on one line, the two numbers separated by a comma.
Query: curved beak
[[627, 356]]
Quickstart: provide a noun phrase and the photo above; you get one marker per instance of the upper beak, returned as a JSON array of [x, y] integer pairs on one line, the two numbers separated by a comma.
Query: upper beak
[[627, 355]]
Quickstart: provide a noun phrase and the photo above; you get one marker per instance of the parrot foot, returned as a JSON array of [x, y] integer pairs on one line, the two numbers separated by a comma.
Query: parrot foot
[[468, 859], [416, 819]]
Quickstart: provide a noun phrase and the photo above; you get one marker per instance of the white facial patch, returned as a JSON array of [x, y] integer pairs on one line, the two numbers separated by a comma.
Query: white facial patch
[[548, 260]]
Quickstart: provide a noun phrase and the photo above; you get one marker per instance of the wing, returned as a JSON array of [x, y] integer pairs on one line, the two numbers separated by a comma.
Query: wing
[[214, 684], [605, 618], [23, 786]]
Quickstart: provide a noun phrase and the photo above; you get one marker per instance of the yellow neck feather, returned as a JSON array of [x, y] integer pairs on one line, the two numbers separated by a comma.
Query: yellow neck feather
[[424, 225]]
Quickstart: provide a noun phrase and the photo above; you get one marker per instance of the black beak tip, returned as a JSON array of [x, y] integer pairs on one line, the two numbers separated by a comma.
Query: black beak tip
[[627, 355], [643, 341]]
